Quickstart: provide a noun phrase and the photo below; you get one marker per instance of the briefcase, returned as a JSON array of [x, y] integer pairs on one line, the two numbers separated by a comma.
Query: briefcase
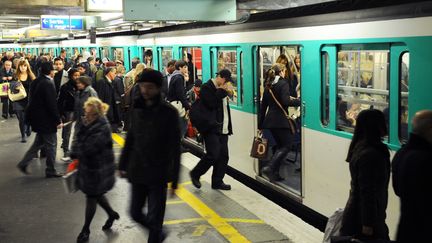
[[70, 181], [259, 147]]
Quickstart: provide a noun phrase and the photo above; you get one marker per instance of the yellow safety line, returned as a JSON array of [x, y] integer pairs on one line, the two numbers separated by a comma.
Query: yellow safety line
[[179, 221], [175, 202], [118, 139], [221, 225], [250, 221]]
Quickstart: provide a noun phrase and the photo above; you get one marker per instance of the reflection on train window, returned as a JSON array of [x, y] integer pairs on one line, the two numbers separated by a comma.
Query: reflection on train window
[[147, 57], [167, 55], [105, 52], [118, 53], [193, 55], [362, 79], [325, 88], [227, 59], [403, 99]]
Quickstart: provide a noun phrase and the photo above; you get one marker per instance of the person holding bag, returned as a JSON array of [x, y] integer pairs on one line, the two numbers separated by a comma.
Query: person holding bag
[[96, 168], [273, 115], [18, 94]]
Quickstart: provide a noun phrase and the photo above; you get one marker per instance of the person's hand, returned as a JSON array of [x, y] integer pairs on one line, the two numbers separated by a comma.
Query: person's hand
[[60, 125], [186, 77], [9, 78], [4, 78]]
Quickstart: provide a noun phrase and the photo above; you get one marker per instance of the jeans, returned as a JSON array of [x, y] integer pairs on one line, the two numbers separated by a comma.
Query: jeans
[[48, 141], [24, 127], [66, 132]]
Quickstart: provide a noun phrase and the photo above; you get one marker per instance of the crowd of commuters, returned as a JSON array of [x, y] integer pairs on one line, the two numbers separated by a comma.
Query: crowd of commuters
[[157, 109]]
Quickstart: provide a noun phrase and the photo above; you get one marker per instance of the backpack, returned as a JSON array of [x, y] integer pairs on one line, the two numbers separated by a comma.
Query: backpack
[[202, 118]]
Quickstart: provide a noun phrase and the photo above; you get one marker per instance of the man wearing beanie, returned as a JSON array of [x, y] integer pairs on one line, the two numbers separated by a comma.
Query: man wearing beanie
[[151, 155]]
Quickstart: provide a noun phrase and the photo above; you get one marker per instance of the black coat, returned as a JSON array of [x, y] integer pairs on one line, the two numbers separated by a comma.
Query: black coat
[[94, 151], [21, 105], [212, 99], [151, 154], [412, 166], [275, 117], [66, 99], [42, 111], [106, 93], [177, 89], [367, 202]]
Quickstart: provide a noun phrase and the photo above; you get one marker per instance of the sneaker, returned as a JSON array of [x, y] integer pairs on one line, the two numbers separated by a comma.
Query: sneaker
[[66, 158]]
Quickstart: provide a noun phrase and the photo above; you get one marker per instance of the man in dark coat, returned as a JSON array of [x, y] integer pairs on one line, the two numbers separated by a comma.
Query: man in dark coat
[[43, 115], [412, 182], [6, 76], [214, 97], [105, 90], [151, 156], [177, 92]]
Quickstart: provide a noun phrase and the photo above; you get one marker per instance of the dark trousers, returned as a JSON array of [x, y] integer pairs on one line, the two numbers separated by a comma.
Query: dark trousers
[[216, 155], [6, 106], [66, 131], [48, 141], [24, 127], [155, 196]]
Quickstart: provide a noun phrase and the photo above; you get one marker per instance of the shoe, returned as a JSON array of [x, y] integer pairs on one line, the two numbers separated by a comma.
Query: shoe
[[42, 154], [23, 169], [23, 140], [66, 159], [28, 132], [54, 175], [83, 236], [222, 186], [195, 181], [4, 116], [11, 116], [110, 221]]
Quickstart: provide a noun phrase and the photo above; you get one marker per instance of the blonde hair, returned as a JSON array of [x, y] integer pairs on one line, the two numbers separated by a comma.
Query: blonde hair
[[97, 105], [18, 72], [120, 69], [138, 70]]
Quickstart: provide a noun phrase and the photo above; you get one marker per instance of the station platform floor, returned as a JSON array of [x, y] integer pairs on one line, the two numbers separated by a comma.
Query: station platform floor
[[36, 209]]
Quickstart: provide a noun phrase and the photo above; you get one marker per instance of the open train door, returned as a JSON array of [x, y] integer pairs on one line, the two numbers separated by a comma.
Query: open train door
[[289, 170]]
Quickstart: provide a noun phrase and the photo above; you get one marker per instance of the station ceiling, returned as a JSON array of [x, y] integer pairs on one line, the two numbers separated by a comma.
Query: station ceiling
[[25, 14]]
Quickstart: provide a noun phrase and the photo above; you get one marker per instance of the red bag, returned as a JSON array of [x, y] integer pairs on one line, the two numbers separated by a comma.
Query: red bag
[[191, 131], [72, 166]]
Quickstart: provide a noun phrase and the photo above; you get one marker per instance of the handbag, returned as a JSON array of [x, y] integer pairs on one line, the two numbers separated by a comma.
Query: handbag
[[333, 225], [259, 147], [4, 87], [179, 107], [70, 181], [17, 96], [292, 122]]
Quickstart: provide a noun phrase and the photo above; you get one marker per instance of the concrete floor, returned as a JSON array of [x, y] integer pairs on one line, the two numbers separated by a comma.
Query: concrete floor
[[36, 209]]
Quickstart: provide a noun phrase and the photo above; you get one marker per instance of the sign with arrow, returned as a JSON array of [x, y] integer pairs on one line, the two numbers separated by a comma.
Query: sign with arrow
[[53, 22]]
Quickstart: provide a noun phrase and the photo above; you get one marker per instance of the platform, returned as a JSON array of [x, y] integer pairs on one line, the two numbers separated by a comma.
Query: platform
[[35, 209]]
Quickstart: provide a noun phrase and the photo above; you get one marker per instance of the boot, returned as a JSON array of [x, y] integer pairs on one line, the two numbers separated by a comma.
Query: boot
[[271, 171]]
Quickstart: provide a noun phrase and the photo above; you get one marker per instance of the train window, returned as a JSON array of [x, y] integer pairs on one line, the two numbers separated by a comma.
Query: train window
[[403, 99], [241, 77], [105, 52], [167, 55], [325, 89], [227, 59], [362, 81], [194, 56], [148, 57], [118, 53]]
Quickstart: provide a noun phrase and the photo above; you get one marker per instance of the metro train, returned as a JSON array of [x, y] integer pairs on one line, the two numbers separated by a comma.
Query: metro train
[[352, 58]]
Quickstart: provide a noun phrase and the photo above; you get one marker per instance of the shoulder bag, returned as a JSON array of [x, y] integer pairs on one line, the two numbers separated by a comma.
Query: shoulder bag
[[292, 123], [4, 87], [17, 96]]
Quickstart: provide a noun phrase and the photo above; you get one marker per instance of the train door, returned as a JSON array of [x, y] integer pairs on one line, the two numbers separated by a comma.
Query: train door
[[165, 54], [286, 167], [104, 52], [117, 54]]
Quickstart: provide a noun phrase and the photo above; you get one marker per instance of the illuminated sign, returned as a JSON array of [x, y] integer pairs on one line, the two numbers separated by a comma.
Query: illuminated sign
[[52, 22], [104, 5]]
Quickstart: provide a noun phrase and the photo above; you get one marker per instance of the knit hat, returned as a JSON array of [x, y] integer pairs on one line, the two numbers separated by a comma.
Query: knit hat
[[150, 76]]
